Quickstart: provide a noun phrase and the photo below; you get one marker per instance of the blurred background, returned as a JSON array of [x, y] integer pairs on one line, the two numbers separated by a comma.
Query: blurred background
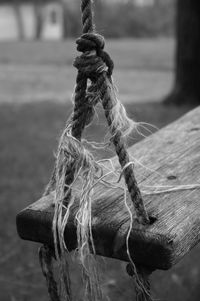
[[155, 45]]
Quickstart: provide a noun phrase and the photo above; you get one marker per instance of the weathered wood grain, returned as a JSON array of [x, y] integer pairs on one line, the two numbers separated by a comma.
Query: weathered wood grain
[[169, 157]]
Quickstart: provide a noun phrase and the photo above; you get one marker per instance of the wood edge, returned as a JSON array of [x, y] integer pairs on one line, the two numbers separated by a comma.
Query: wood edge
[[36, 226]]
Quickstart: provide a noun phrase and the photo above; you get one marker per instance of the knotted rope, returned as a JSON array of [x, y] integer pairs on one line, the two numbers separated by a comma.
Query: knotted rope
[[95, 67]]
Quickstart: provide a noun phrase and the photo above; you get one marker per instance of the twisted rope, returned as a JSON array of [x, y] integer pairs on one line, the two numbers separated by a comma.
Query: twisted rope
[[96, 65], [88, 43], [123, 156], [87, 16], [46, 258], [79, 121], [142, 283]]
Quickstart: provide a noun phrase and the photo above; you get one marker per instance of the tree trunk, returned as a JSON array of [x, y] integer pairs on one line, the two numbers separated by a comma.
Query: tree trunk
[[187, 74], [18, 16], [38, 20], [66, 29]]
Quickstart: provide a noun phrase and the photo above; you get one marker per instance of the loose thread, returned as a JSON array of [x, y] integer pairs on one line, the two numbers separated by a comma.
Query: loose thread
[[168, 188]]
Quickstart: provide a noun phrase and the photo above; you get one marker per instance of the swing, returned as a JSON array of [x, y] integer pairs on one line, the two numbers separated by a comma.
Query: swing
[[164, 219]]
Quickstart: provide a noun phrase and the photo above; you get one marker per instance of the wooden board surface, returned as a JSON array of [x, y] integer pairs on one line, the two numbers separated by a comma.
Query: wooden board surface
[[170, 157]]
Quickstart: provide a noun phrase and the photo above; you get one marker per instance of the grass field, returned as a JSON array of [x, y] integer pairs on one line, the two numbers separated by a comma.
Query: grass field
[[29, 132], [43, 71]]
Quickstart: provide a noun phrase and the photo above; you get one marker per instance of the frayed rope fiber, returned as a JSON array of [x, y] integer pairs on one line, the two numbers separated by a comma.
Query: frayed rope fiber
[[75, 163]]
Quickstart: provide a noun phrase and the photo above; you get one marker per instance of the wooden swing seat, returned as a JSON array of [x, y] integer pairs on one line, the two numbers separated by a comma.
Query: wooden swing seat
[[169, 157]]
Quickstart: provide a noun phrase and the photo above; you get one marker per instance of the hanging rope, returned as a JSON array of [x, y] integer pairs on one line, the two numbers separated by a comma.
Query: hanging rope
[[141, 279], [96, 66], [89, 65], [46, 259]]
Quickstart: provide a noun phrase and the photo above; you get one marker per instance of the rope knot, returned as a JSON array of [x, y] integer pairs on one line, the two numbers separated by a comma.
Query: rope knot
[[94, 60], [90, 65], [89, 42]]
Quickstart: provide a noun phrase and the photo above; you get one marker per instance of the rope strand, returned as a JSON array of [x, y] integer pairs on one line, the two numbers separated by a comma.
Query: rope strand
[[87, 16], [103, 85], [121, 151], [96, 65]]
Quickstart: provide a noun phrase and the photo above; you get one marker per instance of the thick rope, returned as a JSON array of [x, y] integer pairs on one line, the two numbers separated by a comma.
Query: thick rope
[[81, 107], [79, 121], [142, 283], [87, 16], [121, 151], [89, 43], [94, 64], [46, 263], [93, 43]]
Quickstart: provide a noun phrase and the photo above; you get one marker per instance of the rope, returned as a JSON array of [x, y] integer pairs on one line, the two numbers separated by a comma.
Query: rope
[[140, 276], [122, 153], [87, 16], [81, 116], [87, 65], [95, 65], [46, 258]]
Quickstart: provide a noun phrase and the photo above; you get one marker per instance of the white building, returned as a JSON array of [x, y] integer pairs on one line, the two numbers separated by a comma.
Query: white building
[[52, 22], [141, 3], [21, 21], [144, 2], [51, 14], [8, 23]]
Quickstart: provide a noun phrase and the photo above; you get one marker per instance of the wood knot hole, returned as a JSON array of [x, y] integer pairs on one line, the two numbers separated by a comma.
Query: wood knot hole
[[172, 177], [152, 219], [194, 129]]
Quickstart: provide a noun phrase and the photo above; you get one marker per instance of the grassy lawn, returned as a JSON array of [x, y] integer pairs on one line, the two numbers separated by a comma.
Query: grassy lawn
[[28, 137], [43, 71], [146, 53]]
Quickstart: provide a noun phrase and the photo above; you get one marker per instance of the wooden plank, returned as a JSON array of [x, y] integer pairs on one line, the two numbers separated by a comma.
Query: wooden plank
[[169, 157]]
